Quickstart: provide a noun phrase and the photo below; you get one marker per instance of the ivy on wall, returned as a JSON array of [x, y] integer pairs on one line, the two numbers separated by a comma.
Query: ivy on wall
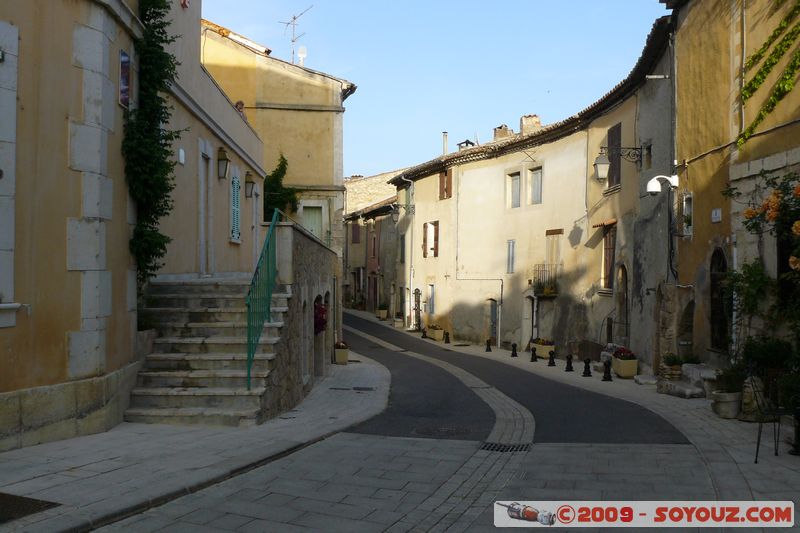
[[786, 82], [276, 196], [147, 143]]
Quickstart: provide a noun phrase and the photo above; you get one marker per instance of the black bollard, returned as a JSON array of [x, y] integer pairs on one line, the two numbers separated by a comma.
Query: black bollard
[[424, 336], [795, 450], [488, 345], [514, 349], [587, 368], [607, 370], [533, 355], [569, 364], [447, 337], [552, 361]]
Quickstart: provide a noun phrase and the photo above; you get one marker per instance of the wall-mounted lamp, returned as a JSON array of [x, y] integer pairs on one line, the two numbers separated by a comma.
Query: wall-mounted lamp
[[222, 163], [602, 162], [249, 184], [654, 185], [396, 211]]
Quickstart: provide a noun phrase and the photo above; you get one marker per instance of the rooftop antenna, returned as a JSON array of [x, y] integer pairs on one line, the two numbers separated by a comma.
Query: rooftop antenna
[[293, 24]]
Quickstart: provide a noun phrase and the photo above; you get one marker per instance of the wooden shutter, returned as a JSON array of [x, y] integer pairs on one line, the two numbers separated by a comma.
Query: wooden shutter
[[614, 155], [436, 239], [425, 240], [442, 185], [609, 243], [449, 183]]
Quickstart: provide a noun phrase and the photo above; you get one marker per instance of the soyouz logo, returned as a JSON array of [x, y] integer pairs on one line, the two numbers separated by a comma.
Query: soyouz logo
[[643, 514]]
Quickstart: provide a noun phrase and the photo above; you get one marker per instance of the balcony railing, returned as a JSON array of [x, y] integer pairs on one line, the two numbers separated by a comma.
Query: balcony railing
[[545, 280]]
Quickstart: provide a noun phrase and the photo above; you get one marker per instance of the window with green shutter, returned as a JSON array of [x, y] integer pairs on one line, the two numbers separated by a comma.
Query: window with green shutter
[[236, 233]]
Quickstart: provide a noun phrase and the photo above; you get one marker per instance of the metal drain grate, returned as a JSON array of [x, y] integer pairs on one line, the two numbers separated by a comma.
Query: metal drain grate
[[13, 506], [504, 448]]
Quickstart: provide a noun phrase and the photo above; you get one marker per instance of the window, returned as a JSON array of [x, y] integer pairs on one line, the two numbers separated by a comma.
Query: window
[[446, 184], [553, 246], [402, 253], [647, 156], [356, 232], [374, 243], [687, 214], [535, 176], [312, 219], [430, 299], [236, 232], [609, 243], [614, 154], [513, 190], [510, 257], [430, 239]]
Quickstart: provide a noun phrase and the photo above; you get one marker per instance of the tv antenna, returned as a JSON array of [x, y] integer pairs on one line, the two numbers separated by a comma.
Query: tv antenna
[[293, 24]]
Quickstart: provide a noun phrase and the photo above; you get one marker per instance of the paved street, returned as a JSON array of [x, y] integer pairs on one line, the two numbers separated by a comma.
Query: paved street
[[459, 430]]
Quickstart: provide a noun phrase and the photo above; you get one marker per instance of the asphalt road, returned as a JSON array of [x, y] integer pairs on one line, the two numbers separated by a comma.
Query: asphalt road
[[425, 401], [563, 414]]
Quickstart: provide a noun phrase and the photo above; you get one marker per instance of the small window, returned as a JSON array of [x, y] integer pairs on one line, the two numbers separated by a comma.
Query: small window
[[356, 232], [513, 189], [609, 244], [236, 233], [536, 185], [446, 184], [431, 308], [374, 243], [430, 239], [687, 214], [510, 256], [647, 156]]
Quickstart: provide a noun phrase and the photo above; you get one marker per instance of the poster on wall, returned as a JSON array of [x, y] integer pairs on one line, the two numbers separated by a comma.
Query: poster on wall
[[124, 79]]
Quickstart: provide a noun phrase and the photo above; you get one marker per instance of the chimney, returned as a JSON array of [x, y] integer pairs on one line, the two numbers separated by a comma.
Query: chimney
[[444, 143], [529, 124], [502, 131]]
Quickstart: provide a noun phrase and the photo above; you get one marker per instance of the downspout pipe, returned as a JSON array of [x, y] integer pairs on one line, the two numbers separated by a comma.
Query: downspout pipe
[[409, 204]]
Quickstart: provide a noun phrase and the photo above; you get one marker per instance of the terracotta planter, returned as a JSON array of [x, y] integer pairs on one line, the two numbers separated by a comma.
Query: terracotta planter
[[342, 354], [624, 368], [381, 314], [726, 404], [435, 334]]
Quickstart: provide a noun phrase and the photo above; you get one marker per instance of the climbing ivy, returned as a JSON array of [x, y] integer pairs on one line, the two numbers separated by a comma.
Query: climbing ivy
[[787, 80], [276, 196], [147, 143]]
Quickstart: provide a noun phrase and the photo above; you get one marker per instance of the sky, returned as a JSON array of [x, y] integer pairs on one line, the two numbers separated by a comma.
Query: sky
[[424, 67]]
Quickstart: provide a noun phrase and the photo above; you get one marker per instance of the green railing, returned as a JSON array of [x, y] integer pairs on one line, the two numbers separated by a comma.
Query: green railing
[[259, 297]]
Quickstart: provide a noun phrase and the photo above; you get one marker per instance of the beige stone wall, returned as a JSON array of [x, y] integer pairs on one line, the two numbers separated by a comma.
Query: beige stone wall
[[365, 191]]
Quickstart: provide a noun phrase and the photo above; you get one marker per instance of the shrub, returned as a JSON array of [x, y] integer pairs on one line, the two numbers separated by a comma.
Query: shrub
[[731, 379], [624, 354]]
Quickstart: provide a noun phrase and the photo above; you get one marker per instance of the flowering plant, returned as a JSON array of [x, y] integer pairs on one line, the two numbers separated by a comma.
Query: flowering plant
[[543, 341], [624, 354], [340, 345]]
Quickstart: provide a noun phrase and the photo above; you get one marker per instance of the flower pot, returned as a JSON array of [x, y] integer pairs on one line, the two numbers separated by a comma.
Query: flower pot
[[381, 314], [342, 354], [398, 322], [726, 404], [435, 334], [624, 368], [670, 372], [542, 350]]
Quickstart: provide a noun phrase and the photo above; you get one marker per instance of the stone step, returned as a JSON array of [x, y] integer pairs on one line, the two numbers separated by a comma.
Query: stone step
[[200, 286], [213, 329], [214, 379], [191, 301], [209, 397], [207, 361], [193, 416], [211, 345], [158, 315]]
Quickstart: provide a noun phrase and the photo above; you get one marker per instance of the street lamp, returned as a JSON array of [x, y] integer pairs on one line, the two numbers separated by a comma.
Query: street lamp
[[249, 184], [602, 162], [396, 211], [222, 163]]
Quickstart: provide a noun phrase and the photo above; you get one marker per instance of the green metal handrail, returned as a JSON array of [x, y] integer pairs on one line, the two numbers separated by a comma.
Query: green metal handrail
[[259, 296]]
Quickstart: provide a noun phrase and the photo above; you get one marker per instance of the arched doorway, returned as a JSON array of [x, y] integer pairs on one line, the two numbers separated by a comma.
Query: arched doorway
[[718, 316], [623, 319]]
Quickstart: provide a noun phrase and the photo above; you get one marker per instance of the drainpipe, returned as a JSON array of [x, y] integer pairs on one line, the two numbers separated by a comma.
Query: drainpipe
[[409, 204]]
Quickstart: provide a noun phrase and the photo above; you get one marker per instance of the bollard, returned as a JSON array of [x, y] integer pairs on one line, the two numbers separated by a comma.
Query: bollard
[[488, 345], [795, 450], [424, 336], [533, 355], [447, 337], [607, 370], [514, 349], [587, 368], [552, 361], [569, 364]]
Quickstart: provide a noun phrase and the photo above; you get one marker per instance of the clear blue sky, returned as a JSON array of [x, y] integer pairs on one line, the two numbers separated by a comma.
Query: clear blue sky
[[423, 67]]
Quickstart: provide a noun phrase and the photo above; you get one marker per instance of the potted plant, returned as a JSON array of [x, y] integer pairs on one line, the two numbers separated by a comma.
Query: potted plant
[[624, 363], [435, 332], [670, 367], [727, 399], [542, 346], [382, 312], [342, 352]]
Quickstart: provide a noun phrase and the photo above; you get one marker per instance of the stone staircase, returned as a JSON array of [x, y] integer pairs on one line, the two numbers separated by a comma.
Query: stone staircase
[[198, 371]]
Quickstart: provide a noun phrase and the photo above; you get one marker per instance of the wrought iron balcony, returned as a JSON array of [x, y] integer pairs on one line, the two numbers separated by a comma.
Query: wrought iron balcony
[[545, 280]]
